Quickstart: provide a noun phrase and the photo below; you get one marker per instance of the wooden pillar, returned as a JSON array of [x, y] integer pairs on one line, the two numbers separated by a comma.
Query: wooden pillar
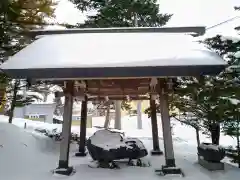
[[166, 126], [156, 149], [83, 128], [117, 124], [139, 114], [107, 117], [63, 167]]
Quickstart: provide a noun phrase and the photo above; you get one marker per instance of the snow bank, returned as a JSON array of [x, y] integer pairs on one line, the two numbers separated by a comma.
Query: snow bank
[[28, 156], [22, 153], [181, 133]]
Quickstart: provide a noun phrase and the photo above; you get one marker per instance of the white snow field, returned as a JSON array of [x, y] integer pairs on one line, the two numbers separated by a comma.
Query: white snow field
[[28, 155]]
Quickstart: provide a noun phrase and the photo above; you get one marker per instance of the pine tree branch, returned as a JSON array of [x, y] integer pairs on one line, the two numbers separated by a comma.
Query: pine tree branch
[[186, 122]]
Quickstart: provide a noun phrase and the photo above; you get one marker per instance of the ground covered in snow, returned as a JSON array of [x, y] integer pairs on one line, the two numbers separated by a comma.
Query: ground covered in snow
[[28, 155]]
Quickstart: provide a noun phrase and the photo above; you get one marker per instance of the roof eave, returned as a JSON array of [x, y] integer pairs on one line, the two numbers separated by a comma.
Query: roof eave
[[195, 30], [115, 72]]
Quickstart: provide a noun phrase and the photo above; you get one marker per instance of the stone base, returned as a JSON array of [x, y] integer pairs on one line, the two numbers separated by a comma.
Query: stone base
[[64, 171], [156, 152], [211, 166], [169, 170], [81, 154]]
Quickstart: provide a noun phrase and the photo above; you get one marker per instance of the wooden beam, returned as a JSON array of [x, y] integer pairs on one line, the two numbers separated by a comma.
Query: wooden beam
[[116, 93], [93, 83], [118, 98], [194, 29], [120, 84], [104, 94]]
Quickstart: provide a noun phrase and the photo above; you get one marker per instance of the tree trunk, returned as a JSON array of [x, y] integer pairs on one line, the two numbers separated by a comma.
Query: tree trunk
[[107, 120], [238, 145], [14, 99], [45, 95], [214, 129], [238, 150], [197, 136]]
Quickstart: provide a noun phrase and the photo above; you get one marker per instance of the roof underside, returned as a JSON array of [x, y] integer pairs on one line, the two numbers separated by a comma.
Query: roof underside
[[117, 89], [113, 55]]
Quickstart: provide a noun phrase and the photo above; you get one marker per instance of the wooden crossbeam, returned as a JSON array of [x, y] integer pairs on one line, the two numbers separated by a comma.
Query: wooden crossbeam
[[200, 30], [118, 98]]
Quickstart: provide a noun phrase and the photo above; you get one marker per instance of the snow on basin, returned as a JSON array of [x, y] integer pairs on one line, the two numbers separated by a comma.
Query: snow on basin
[[210, 146], [136, 141], [107, 140]]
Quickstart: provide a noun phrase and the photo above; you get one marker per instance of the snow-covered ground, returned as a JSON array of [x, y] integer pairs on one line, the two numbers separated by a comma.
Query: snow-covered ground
[[28, 155]]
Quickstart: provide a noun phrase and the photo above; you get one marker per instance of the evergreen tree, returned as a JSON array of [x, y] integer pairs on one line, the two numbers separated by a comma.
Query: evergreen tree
[[201, 97], [229, 86], [15, 99], [17, 16], [115, 13]]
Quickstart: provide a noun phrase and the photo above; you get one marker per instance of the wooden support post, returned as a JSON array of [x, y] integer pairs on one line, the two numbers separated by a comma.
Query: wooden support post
[[166, 126], [83, 128], [63, 167], [107, 117], [139, 114], [117, 124], [156, 149]]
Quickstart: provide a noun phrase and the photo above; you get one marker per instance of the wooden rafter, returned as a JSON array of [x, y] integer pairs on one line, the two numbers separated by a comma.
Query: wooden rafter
[[114, 89]]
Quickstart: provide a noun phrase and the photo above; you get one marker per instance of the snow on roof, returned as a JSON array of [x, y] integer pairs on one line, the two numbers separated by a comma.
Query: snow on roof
[[108, 51]]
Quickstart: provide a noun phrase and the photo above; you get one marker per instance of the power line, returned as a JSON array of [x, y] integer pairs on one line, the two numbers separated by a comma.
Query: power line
[[231, 19]]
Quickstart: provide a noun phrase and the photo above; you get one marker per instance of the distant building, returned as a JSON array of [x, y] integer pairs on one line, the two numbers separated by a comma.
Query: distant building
[[76, 120], [36, 111], [44, 112]]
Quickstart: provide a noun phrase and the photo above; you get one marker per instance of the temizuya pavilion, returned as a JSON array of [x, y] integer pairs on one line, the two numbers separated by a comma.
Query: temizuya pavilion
[[93, 64]]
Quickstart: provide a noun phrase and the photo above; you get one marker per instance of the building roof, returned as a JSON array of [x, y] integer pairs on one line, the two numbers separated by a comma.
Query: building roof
[[113, 55]]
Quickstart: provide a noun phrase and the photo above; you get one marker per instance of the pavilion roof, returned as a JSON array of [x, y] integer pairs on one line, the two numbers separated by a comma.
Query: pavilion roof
[[113, 55]]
